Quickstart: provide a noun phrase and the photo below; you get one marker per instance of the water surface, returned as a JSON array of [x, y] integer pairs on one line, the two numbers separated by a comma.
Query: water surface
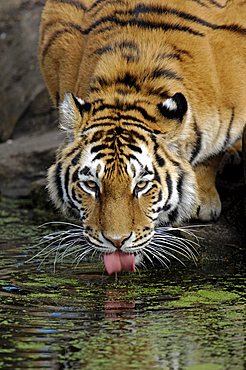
[[185, 318]]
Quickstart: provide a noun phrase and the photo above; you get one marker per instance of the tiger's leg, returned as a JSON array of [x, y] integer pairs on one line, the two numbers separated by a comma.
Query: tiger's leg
[[210, 204], [232, 155]]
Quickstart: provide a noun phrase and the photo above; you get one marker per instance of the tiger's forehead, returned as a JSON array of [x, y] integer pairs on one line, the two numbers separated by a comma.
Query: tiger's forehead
[[99, 161]]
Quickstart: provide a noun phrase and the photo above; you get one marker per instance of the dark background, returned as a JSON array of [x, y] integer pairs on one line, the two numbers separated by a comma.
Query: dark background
[[28, 124]]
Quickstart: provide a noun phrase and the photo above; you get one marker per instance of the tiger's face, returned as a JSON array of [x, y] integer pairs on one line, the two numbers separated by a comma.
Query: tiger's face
[[120, 177]]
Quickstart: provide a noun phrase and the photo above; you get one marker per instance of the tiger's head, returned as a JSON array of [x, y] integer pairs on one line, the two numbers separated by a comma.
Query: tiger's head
[[123, 171]]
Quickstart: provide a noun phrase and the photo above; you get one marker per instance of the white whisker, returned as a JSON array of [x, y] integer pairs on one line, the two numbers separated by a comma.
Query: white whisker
[[62, 223], [144, 251], [160, 257], [169, 254], [186, 251]]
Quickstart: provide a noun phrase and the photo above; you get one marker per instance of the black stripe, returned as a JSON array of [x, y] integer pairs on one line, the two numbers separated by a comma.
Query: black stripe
[[76, 3], [105, 49], [169, 56], [159, 209], [154, 186], [99, 147], [233, 28], [126, 52], [58, 181], [180, 185], [71, 152], [127, 46], [57, 99], [95, 4], [173, 215], [133, 46], [139, 136], [135, 125], [151, 90], [157, 177], [123, 92], [132, 156], [141, 110], [100, 81], [66, 181], [134, 148], [163, 10], [169, 183], [127, 117], [66, 185], [128, 80], [76, 159], [126, 107], [97, 136], [198, 144], [141, 9], [85, 171], [162, 72], [158, 200], [116, 119], [74, 197], [103, 3], [75, 176], [213, 2], [166, 207], [141, 24], [159, 160], [103, 107], [156, 145], [130, 58], [99, 156]]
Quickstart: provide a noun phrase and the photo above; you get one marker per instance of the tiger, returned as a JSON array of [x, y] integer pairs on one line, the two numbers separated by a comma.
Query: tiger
[[150, 93]]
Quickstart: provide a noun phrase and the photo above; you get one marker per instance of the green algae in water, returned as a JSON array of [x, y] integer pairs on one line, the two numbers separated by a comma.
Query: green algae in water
[[81, 318], [204, 297], [208, 366]]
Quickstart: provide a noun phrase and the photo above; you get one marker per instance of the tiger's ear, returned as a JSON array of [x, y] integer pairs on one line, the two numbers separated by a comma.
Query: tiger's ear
[[71, 111], [174, 107]]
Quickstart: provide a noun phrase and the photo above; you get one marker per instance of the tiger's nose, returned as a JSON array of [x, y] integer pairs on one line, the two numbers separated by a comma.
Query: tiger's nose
[[117, 242]]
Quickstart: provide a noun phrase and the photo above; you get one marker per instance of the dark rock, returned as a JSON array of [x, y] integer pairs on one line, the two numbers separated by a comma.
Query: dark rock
[[21, 82], [25, 160]]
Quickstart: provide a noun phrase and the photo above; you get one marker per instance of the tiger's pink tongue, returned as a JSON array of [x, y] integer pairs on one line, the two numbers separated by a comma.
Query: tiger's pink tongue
[[118, 261]]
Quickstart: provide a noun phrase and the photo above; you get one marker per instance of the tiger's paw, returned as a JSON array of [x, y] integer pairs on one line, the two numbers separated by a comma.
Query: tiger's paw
[[210, 205]]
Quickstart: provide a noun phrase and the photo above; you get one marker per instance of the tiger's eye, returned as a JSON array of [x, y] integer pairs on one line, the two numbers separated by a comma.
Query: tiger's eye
[[91, 185], [141, 185]]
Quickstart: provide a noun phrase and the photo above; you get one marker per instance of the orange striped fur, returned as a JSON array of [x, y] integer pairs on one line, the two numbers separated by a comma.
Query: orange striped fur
[[152, 93]]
